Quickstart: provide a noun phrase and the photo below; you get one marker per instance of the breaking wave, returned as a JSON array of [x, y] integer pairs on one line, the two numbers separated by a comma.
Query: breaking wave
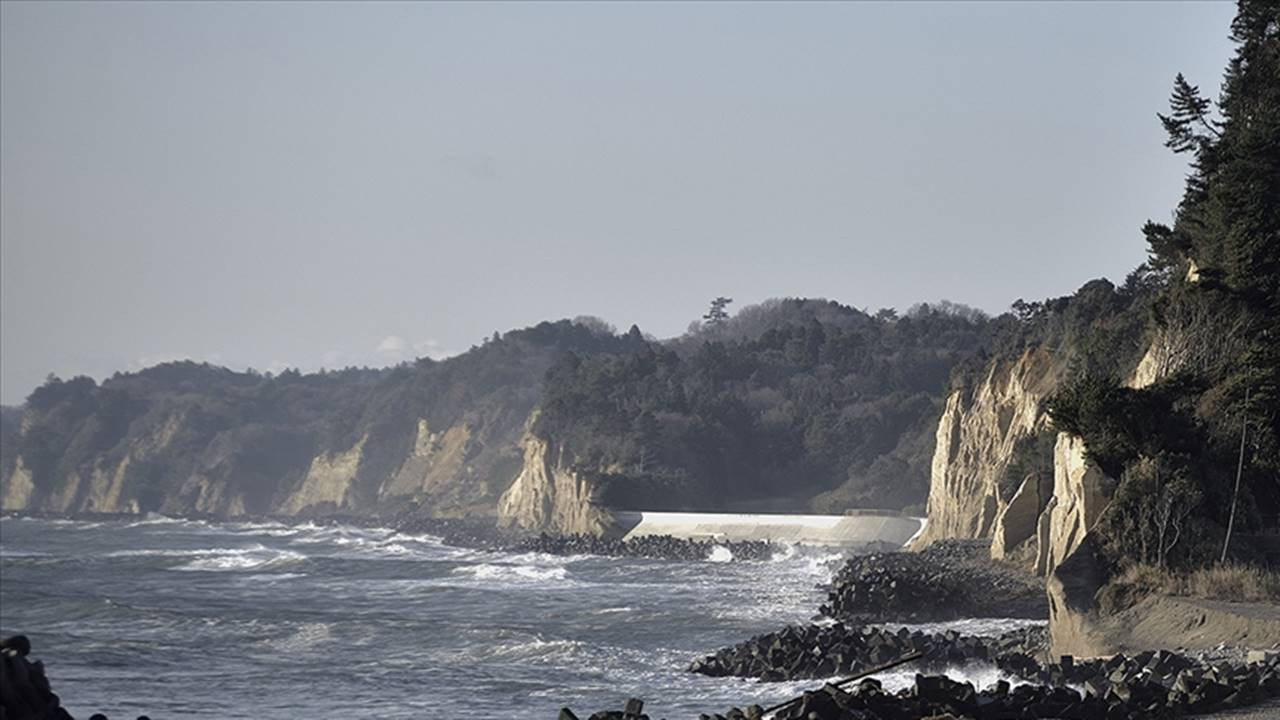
[[518, 573], [258, 558]]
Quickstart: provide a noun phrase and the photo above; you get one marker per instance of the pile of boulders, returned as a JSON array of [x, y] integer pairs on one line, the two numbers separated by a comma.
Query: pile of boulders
[[663, 547], [1181, 682], [24, 689], [1150, 686], [818, 651], [945, 582]]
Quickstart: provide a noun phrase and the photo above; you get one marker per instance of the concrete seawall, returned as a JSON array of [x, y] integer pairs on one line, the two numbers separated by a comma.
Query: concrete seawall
[[865, 530]]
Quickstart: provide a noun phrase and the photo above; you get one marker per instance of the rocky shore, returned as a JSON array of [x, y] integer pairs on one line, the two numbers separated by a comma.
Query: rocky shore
[[663, 547], [1149, 686], [818, 651], [948, 581]]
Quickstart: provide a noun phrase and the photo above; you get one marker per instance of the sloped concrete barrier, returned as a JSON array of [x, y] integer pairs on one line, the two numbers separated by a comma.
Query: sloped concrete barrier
[[857, 530]]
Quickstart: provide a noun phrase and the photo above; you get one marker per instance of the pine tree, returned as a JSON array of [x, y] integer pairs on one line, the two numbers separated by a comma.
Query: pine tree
[[1228, 221], [717, 314]]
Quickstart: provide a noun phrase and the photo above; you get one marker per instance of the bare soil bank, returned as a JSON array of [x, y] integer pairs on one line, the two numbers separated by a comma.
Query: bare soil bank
[[1168, 623]]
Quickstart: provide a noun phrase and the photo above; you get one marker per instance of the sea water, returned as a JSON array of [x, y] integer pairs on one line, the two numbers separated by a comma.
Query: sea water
[[179, 618]]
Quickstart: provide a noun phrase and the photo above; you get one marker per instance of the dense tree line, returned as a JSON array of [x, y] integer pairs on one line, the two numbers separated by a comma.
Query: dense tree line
[[787, 402], [261, 431], [1214, 318]]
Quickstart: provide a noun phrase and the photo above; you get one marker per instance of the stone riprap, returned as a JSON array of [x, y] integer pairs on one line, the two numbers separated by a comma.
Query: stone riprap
[[947, 581], [823, 651], [1149, 686], [662, 547]]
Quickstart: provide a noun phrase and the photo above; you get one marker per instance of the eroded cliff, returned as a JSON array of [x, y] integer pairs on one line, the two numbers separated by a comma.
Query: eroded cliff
[[431, 438], [1039, 519], [549, 494], [977, 435]]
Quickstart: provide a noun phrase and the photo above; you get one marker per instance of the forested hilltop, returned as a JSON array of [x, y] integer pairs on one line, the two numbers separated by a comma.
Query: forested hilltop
[[1135, 430], [793, 404], [425, 437]]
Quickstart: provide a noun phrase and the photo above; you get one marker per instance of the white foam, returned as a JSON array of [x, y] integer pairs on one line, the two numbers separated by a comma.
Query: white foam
[[973, 626], [246, 559], [306, 637], [614, 610], [720, 553], [518, 573], [158, 519], [5, 552]]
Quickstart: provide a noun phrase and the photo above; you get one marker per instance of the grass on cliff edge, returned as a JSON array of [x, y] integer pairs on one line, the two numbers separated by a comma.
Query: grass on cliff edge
[[1230, 583]]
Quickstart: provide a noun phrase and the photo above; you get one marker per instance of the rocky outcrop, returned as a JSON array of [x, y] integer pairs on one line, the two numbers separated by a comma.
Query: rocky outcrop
[[1073, 621], [977, 433], [18, 488], [327, 481], [1081, 491], [549, 494], [436, 458], [1039, 523], [1017, 523]]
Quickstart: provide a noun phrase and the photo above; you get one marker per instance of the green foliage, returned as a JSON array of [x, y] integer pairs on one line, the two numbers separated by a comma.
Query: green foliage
[[1155, 515], [260, 432], [802, 408], [717, 314], [1210, 301]]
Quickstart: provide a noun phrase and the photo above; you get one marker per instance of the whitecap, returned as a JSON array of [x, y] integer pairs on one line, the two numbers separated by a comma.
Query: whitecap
[[613, 610], [720, 553], [306, 637], [8, 553], [243, 560], [519, 573]]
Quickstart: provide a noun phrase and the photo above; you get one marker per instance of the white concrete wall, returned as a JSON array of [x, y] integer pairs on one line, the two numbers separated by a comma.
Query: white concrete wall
[[873, 531]]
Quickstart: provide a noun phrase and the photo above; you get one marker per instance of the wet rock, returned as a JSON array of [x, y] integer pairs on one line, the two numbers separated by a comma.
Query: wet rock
[[947, 581], [664, 547], [24, 689], [819, 651]]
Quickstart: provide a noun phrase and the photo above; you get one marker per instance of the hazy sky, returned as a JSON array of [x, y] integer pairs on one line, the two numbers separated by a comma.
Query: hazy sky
[[305, 184]]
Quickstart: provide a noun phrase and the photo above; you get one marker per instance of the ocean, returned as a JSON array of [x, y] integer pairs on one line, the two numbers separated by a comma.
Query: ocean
[[181, 618]]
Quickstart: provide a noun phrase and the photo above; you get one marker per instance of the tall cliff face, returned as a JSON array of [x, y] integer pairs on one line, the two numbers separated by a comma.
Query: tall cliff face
[[550, 495], [1045, 519], [977, 434], [432, 438]]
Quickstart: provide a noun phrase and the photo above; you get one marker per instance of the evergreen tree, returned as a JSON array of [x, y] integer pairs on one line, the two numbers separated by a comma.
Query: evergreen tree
[[717, 314]]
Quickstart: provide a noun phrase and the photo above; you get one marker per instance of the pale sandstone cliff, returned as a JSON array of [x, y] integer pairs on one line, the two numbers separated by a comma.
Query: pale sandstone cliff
[[976, 436], [1048, 527], [435, 460], [256, 471], [550, 495], [327, 481], [1081, 491]]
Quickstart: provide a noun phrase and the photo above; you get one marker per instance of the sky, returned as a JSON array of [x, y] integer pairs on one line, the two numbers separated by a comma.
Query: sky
[[321, 185]]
